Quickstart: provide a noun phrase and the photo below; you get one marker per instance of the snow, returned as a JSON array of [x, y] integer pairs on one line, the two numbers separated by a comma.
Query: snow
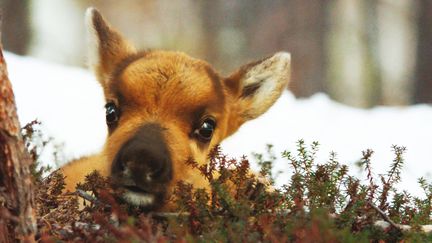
[[344, 130], [69, 103], [67, 100]]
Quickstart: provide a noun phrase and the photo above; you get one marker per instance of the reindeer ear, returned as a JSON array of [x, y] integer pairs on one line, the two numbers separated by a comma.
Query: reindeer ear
[[106, 47], [256, 86]]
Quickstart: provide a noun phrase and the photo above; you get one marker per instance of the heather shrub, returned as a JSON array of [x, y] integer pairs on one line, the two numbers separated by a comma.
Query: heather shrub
[[320, 202]]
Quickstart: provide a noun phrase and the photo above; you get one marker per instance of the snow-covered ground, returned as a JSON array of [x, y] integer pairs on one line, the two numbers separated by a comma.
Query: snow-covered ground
[[69, 103]]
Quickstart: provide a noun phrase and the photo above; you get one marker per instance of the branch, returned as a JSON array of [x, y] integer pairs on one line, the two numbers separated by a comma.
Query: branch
[[384, 216], [387, 222]]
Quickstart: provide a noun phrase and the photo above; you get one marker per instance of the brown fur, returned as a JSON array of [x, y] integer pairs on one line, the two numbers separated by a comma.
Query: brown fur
[[175, 91]]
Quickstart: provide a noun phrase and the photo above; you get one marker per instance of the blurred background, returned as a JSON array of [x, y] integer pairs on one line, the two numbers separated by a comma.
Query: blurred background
[[362, 53]]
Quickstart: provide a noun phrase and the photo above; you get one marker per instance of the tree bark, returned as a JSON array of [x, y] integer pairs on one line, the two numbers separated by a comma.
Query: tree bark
[[16, 29], [423, 86], [17, 215], [373, 74]]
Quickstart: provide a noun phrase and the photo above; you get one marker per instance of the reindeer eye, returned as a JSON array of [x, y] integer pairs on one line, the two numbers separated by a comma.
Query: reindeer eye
[[206, 129], [111, 113]]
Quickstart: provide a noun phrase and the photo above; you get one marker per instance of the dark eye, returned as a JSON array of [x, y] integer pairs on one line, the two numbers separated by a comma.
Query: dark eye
[[206, 129], [111, 113]]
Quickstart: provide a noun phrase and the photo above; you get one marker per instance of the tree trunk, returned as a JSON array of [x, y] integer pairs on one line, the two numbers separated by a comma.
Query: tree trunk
[[373, 78], [16, 29], [296, 26], [17, 216], [423, 87]]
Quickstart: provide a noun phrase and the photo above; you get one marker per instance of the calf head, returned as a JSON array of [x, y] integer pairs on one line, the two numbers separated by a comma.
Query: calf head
[[165, 108]]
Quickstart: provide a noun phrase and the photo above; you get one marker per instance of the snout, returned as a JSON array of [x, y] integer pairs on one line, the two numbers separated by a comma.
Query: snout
[[143, 168]]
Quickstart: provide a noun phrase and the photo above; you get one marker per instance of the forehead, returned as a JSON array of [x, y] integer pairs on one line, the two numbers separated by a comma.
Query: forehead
[[168, 80]]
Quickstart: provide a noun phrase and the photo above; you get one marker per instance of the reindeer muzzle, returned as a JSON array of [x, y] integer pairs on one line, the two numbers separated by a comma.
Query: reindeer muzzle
[[143, 167]]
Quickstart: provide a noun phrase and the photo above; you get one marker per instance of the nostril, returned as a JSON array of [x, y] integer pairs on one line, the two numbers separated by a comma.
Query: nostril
[[126, 170], [125, 166], [157, 171], [148, 177]]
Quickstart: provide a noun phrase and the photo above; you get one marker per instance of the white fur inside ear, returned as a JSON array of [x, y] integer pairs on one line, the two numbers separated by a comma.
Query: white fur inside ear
[[93, 42], [273, 67], [269, 77]]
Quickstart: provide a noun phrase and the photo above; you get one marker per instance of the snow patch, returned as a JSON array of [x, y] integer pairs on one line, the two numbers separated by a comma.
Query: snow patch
[[69, 102]]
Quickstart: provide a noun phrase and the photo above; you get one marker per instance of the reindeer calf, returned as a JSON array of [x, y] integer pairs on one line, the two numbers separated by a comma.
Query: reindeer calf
[[164, 108]]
